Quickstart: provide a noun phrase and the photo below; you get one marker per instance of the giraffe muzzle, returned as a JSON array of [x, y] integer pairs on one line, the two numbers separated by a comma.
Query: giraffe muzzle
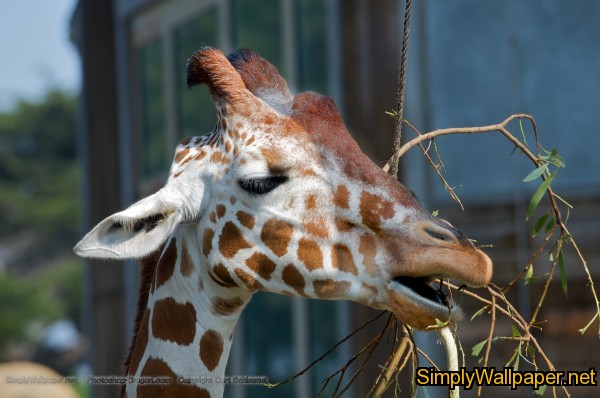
[[430, 252]]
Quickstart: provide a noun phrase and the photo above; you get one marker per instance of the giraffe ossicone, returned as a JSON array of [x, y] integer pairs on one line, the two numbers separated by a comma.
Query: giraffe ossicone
[[278, 198]]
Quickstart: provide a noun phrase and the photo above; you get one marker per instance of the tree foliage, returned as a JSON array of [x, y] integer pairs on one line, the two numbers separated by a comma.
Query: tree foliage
[[39, 197], [38, 168]]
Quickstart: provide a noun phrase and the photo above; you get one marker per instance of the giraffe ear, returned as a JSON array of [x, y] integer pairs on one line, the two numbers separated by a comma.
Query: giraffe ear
[[132, 233]]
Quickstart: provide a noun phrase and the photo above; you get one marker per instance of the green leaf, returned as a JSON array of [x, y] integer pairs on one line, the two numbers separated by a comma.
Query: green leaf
[[515, 331], [532, 280], [550, 224], [529, 273], [523, 132], [541, 390], [435, 213], [562, 271], [536, 173], [438, 324], [554, 158], [537, 196], [479, 312], [531, 351], [393, 114], [476, 350], [540, 223]]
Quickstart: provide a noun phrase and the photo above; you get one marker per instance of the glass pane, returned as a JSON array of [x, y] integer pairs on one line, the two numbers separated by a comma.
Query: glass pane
[[313, 60], [323, 336], [196, 111], [257, 26], [155, 157], [269, 347]]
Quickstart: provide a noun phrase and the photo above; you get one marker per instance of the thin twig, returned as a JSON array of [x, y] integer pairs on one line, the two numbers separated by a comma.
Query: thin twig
[[313, 363], [392, 367], [489, 342]]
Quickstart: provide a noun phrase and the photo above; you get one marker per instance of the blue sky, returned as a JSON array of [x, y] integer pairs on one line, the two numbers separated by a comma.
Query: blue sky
[[36, 54]]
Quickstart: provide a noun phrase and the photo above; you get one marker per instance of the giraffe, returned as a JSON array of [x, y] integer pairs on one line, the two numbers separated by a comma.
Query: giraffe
[[278, 198]]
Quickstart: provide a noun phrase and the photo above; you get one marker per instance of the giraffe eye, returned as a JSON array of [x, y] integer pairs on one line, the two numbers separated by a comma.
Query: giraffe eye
[[260, 186]]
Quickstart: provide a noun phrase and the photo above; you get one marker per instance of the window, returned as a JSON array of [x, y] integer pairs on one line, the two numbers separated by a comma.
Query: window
[[153, 107], [196, 115], [313, 56], [257, 26]]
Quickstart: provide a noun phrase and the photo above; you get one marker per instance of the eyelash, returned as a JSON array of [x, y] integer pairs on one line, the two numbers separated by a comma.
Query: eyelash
[[260, 186]]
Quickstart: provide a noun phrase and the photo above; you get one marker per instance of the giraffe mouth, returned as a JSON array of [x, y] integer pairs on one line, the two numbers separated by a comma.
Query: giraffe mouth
[[420, 289]]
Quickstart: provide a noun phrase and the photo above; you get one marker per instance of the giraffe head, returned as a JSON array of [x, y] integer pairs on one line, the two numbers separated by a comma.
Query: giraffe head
[[280, 198]]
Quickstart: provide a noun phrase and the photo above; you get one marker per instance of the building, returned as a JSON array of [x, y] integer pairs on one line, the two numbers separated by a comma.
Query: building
[[470, 64]]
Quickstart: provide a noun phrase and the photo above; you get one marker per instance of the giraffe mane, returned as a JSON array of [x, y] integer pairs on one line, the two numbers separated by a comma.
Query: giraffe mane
[[147, 268]]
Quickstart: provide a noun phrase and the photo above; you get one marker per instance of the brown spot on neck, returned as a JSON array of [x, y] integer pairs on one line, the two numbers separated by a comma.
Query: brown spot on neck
[[251, 283], [173, 321], [311, 202], [246, 219], [341, 258], [181, 154], [231, 240], [200, 155], [341, 198], [262, 265], [330, 289], [221, 276], [207, 238], [186, 265], [316, 228], [220, 210], [157, 368], [276, 235], [293, 278], [166, 264], [211, 349], [310, 254]]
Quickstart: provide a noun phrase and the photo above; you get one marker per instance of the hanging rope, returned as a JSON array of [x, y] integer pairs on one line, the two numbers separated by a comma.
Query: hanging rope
[[401, 88]]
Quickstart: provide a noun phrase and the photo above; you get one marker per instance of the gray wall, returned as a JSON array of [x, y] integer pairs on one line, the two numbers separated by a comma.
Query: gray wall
[[486, 60]]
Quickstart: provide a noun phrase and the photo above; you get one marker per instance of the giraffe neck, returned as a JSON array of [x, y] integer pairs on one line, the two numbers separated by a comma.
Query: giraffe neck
[[186, 328]]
